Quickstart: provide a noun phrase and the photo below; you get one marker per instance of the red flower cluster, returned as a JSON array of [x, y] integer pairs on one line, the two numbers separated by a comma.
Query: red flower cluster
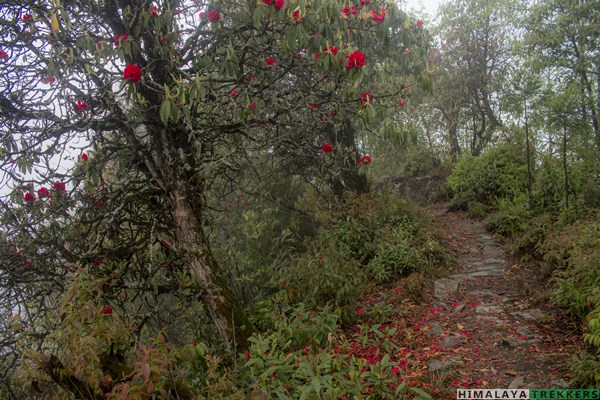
[[27, 17], [268, 2], [402, 102], [132, 73], [97, 263], [60, 186], [120, 39], [214, 16], [270, 61], [83, 157], [3, 55], [365, 98], [234, 93], [356, 60], [297, 17], [331, 50], [378, 17], [153, 11], [29, 197], [252, 106], [364, 160], [279, 4], [349, 10], [80, 105], [48, 79], [420, 22], [107, 310], [43, 192], [327, 148]]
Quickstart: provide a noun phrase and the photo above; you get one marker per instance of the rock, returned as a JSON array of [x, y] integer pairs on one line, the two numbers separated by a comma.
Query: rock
[[459, 308], [518, 381], [488, 309], [444, 286], [434, 366], [519, 342], [449, 342], [435, 330], [559, 383]]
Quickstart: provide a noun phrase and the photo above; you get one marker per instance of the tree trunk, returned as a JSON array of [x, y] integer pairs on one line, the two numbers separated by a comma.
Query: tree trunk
[[350, 177], [453, 139], [226, 312], [565, 170]]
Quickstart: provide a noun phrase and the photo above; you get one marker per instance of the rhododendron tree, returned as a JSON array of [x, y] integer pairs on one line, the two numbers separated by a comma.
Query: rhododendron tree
[[181, 102]]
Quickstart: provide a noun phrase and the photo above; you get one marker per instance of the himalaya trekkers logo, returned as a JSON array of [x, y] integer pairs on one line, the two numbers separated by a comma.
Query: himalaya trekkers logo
[[542, 394]]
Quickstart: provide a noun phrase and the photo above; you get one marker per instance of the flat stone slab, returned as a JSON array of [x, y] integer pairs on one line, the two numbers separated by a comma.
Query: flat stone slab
[[513, 343], [529, 314], [487, 272], [488, 310], [434, 366], [449, 342]]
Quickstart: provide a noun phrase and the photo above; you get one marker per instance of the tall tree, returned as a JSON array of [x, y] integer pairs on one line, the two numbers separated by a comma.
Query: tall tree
[[473, 62], [563, 36]]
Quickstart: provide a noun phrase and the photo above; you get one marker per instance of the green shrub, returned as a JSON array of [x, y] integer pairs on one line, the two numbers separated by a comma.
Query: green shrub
[[499, 172], [418, 160], [511, 217], [324, 276], [395, 257]]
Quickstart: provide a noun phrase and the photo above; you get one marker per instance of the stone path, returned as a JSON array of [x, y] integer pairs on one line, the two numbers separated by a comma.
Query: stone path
[[491, 331]]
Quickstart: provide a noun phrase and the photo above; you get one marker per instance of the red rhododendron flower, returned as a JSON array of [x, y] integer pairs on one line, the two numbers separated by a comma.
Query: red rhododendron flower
[[268, 2], [279, 4], [97, 263], [356, 60], [153, 10], [29, 197], [43, 192], [409, 52], [120, 39], [100, 45], [327, 148], [283, 283], [27, 17], [234, 93], [83, 157], [80, 105], [316, 56], [313, 106], [296, 16], [28, 262], [402, 102], [331, 50], [364, 160], [214, 16], [3, 55], [349, 10], [270, 61], [48, 79], [378, 18], [60, 186], [365, 98], [132, 73], [107, 310], [420, 22], [252, 106]]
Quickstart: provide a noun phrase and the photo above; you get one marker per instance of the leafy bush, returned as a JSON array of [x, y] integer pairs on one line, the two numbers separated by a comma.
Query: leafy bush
[[418, 160], [395, 257], [511, 217], [499, 172]]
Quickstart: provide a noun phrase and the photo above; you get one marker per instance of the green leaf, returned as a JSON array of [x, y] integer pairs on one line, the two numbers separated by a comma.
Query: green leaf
[[422, 394], [316, 383], [165, 112]]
